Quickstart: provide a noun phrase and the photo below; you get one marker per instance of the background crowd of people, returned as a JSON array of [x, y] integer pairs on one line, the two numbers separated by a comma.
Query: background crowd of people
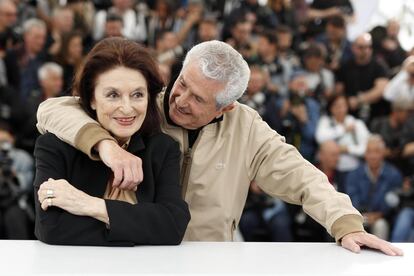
[[346, 105]]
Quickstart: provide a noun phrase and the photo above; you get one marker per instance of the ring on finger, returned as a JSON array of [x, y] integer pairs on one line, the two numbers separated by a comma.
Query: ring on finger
[[49, 202], [50, 193]]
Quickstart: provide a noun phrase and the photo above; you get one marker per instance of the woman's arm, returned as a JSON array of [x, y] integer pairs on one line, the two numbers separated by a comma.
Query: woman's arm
[[55, 225], [84, 222]]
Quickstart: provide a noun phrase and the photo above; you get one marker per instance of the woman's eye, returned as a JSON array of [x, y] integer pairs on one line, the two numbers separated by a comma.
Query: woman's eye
[[112, 95], [138, 95]]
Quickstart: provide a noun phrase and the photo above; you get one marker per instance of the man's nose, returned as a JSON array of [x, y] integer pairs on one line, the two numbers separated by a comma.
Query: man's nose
[[182, 99]]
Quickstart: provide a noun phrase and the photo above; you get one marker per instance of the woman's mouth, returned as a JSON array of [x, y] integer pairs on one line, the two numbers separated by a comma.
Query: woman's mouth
[[125, 121]]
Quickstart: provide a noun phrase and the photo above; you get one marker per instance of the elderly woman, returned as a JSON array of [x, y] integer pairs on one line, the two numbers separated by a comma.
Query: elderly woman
[[76, 203], [350, 133]]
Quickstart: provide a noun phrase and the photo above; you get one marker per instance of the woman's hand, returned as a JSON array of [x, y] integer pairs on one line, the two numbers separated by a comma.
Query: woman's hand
[[62, 194]]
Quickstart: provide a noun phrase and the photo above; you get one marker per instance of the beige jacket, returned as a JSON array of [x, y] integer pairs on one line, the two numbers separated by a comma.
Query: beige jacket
[[217, 171]]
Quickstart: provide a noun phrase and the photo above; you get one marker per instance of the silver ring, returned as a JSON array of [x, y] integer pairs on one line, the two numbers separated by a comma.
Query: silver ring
[[50, 193], [49, 202]]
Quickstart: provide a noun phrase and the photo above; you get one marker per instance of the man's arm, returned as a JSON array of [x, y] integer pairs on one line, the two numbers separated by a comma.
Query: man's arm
[[65, 118], [280, 171]]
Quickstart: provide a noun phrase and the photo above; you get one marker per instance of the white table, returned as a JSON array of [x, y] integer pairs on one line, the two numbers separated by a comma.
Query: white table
[[36, 258]]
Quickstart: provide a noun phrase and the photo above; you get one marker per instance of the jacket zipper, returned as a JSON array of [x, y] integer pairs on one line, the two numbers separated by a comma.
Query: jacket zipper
[[186, 171], [188, 158]]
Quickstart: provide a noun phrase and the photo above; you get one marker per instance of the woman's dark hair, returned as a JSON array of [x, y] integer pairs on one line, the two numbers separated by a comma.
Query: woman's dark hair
[[113, 52], [332, 101], [63, 54]]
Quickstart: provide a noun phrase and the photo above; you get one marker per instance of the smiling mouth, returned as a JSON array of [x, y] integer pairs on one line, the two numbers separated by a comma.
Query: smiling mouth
[[125, 121], [181, 111]]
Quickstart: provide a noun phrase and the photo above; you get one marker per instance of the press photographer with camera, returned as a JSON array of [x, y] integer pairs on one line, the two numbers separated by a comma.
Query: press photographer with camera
[[295, 116], [16, 176]]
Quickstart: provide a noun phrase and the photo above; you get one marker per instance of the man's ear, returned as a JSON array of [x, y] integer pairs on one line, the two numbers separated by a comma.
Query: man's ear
[[93, 104], [228, 107]]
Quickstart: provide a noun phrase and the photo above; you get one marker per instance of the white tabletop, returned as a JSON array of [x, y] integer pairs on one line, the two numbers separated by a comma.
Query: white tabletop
[[36, 258]]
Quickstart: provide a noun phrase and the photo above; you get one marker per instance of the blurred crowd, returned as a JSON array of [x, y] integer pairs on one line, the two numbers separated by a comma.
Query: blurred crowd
[[345, 105]]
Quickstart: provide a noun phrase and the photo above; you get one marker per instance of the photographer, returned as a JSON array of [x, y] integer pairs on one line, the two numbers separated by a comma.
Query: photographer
[[16, 175], [295, 116], [404, 224]]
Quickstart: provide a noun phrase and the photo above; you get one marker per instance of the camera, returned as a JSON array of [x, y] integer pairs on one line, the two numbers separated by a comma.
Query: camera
[[296, 99], [9, 184]]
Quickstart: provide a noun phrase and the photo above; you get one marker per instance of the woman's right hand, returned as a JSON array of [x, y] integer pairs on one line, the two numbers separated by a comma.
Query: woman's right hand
[[127, 167]]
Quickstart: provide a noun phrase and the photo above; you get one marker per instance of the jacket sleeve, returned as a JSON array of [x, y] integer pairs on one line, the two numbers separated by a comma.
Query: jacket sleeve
[[282, 172], [56, 226], [163, 221], [64, 117]]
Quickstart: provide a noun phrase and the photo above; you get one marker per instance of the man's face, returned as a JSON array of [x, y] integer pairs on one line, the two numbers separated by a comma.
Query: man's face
[[329, 155], [284, 41], [113, 28], [52, 83], [334, 33], [193, 98], [362, 49], [8, 14], [263, 46], [35, 39], [374, 154], [313, 63], [242, 32], [207, 31], [64, 21], [257, 82]]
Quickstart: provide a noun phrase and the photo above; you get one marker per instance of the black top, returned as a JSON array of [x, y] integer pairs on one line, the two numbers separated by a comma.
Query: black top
[[159, 217], [359, 78]]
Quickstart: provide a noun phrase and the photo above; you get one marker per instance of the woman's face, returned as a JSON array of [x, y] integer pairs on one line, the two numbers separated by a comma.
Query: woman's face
[[339, 108], [75, 48], [120, 101]]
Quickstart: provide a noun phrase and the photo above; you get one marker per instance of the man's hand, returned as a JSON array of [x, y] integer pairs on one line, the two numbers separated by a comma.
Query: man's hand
[[127, 167], [354, 241]]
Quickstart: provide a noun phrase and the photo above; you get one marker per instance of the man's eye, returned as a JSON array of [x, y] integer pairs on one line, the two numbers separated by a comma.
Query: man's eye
[[198, 99]]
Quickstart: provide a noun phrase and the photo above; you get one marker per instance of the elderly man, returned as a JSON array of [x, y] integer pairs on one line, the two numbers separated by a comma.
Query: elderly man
[[225, 146], [23, 63], [368, 185], [51, 81]]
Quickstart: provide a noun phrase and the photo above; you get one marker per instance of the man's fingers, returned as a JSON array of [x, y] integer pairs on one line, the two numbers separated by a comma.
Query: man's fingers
[[351, 245], [118, 175], [386, 247], [128, 179]]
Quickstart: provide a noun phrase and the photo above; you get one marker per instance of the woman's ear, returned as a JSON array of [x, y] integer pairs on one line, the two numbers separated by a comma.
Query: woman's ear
[[93, 104]]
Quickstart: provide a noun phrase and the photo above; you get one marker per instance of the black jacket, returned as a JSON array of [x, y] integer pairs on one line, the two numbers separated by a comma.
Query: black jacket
[[159, 217]]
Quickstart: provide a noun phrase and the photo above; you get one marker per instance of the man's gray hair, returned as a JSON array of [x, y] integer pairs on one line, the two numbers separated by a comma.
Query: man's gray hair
[[376, 138], [219, 61], [33, 23], [49, 67]]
